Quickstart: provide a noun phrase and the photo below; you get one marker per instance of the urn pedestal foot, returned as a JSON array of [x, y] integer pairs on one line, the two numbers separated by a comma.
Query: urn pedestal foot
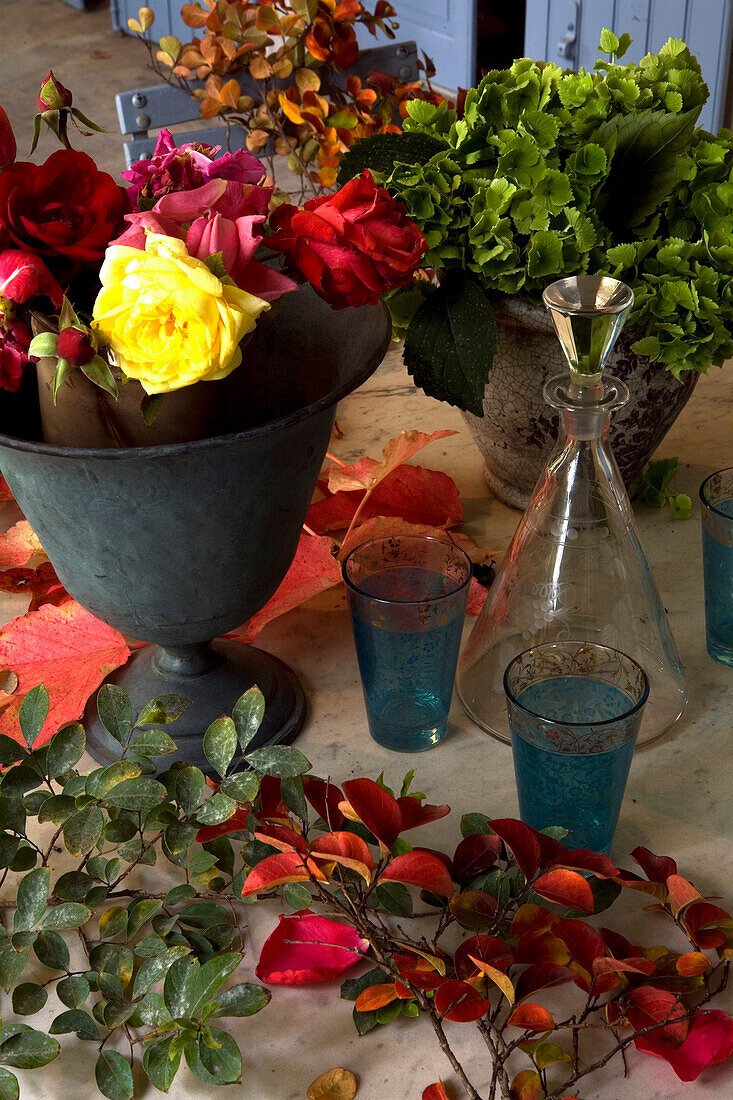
[[212, 676]]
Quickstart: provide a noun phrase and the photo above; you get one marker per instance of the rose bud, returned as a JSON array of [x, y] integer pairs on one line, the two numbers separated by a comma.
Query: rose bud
[[53, 96], [8, 148], [75, 345]]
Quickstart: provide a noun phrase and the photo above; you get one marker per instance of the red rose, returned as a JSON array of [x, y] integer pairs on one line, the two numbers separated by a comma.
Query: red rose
[[64, 210], [352, 246], [8, 148], [75, 345], [24, 275], [53, 96], [15, 338]]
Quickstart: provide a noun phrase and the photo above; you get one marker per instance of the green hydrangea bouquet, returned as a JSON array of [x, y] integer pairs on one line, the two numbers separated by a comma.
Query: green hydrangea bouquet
[[542, 173]]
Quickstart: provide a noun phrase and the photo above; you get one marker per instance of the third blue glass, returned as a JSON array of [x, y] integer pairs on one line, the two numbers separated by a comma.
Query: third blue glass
[[716, 496]]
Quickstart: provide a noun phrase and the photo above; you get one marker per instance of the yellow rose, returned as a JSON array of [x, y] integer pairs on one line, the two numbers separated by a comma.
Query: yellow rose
[[168, 319]]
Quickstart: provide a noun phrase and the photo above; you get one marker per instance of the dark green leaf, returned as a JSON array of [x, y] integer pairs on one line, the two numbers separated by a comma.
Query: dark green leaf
[[471, 824], [140, 793], [364, 1022], [153, 1011], [153, 743], [242, 787], [180, 837], [605, 892], [112, 922], [29, 998], [98, 372], [244, 999], [177, 894], [24, 858], [190, 789], [281, 761], [388, 1013], [248, 712], [65, 749], [203, 915], [141, 911], [12, 965], [201, 862], [28, 1050], [114, 959], [150, 406], [9, 1087], [352, 987], [115, 712], [179, 988], [291, 792], [216, 809], [154, 968], [220, 744], [52, 950], [114, 1076], [20, 940], [297, 896], [58, 808], [451, 342], [215, 1067], [83, 830], [33, 713], [211, 976], [160, 1067], [380, 152], [10, 751], [32, 898], [161, 711], [73, 991], [395, 898], [77, 1022], [646, 163]]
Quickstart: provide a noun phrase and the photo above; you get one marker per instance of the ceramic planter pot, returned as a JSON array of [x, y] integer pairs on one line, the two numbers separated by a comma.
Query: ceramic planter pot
[[176, 544], [518, 430]]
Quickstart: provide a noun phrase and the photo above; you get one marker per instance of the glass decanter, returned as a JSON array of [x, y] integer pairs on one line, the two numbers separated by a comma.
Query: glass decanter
[[575, 569]]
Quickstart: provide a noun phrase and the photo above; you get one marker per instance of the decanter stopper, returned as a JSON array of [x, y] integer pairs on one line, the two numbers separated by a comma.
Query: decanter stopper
[[588, 312]]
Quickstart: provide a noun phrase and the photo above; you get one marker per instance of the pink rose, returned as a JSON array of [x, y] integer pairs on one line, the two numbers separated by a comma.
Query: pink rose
[[183, 168], [24, 275], [15, 339]]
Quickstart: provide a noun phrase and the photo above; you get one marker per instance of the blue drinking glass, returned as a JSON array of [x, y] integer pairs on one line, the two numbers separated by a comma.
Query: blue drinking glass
[[574, 712], [407, 597], [716, 496]]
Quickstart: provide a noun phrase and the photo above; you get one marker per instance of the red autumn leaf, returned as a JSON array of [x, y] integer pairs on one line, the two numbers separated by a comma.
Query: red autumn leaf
[[41, 584], [411, 493], [618, 945], [435, 1092], [347, 849], [477, 595], [542, 947], [366, 474], [306, 948], [566, 888], [286, 840], [526, 1085], [237, 821], [421, 869], [324, 797], [18, 545], [693, 963], [531, 1017], [656, 868], [458, 1001], [474, 910], [278, 869], [415, 813], [632, 881], [704, 922], [680, 893], [498, 977], [314, 570], [375, 808], [475, 854], [583, 859], [5, 493], [583, 941], [376, 996], [645, 1005], [532, 918], [66, 649], [487, 948], [426, 980], [542, 976], [622, 966], [271, 805], [709, 1042], [523, 841]]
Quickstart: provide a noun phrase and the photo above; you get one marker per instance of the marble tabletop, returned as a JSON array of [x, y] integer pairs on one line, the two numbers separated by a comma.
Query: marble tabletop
[[678, 799]]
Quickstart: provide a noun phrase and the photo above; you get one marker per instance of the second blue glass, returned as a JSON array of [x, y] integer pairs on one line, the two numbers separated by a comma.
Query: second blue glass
[[716, 496], [407, 596], [574, 713]]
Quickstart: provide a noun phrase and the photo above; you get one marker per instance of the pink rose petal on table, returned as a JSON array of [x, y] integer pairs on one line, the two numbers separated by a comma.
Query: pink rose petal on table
[[709, 1041], [306, 948]]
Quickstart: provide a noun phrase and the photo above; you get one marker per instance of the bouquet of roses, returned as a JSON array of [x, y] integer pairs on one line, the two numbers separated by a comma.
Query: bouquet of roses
[[160, 280]]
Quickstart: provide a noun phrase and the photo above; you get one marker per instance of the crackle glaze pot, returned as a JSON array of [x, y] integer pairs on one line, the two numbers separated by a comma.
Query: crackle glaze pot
[[178, 543], [518, 431]]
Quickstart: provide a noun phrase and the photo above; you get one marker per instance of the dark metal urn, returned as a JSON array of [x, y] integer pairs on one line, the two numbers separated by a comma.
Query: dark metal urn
[[180, 543]]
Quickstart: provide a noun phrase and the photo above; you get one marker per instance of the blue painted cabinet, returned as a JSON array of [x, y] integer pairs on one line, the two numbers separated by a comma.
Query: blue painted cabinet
[[568, 31]]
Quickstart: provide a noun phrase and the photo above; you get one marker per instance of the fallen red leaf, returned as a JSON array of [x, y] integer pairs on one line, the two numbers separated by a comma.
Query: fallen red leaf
[[375, 808], [347, 849], [367, 474], [5, 493], [18, 545], [41, 584], [314, 570], [66, 649], [645, 1005], [566, 888], [531, 1017], [306, 948], [278, 869], [458, 1001], [421, 869], [435, 1092]]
